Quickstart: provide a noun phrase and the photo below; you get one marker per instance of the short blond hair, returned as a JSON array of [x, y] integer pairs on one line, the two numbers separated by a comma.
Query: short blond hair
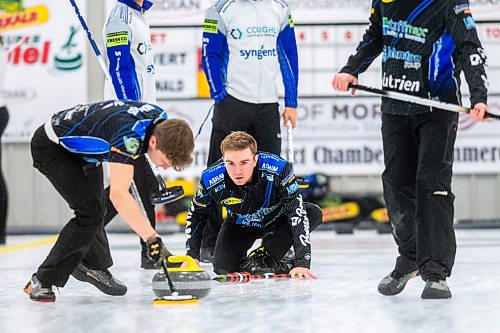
[[237, 141]]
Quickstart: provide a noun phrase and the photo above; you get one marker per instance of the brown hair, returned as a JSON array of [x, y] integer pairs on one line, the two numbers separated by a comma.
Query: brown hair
[[174, 138], [237, 141]]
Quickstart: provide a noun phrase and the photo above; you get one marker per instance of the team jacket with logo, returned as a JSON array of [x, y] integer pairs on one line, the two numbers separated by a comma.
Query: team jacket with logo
[[424, 45], [245, 43], [109, 131], [130, 54], [272, 192]]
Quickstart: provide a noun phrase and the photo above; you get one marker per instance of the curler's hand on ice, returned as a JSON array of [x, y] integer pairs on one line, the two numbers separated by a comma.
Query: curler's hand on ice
[[302, 273]]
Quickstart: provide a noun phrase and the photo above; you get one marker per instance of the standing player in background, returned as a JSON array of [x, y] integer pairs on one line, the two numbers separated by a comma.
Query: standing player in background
[[130, 57], [245, 45], [4, 119], [424, 45]]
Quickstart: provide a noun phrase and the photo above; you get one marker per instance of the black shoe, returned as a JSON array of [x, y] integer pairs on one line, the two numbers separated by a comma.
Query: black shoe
[[259, 261], [39, 292], [395, 282], [436, 289], [285, 266], [147, 263], [290, 254], [103, 280], [207, 254]]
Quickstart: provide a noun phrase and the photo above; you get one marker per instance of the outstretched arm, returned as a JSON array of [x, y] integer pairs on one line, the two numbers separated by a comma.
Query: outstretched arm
[[293, 207], [121, 176]]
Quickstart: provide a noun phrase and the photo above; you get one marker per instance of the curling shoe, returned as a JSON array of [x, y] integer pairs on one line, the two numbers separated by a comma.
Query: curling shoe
[[147, 263], [395, 282], [436, 289], [38, 291], [207, 254], [102, 280], [260, 261]]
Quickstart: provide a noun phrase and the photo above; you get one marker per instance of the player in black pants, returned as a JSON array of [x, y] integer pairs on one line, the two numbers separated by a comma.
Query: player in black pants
[[69, 150], [260, 194], [262, 121], [424, 45]]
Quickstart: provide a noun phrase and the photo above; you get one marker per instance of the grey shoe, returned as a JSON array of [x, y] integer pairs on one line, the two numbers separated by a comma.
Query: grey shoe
[[395, 282], [207, 254], [103, 280], [436, 290], [147, 263], [38, 291]]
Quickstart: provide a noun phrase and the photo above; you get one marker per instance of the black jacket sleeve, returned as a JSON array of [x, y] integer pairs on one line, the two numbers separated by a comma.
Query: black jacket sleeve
[[293, 207], [370, 46], [196, 219], [470, 53]]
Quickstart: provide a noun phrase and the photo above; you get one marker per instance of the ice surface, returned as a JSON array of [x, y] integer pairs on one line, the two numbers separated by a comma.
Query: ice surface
[[344, 299]]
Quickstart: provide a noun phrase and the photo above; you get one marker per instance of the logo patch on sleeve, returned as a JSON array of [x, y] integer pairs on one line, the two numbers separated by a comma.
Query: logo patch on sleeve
[[290, 21], [117, 38], [131, 144], [210, 26]]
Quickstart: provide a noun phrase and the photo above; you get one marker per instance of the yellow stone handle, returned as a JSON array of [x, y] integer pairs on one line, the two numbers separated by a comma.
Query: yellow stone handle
[[191, 264]]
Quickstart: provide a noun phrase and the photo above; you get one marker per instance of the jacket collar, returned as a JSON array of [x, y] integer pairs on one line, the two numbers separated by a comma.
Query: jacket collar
[[248, 187], [132, 4]]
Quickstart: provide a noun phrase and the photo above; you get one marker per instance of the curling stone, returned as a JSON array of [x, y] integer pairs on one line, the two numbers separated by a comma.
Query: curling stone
[[190, 280]]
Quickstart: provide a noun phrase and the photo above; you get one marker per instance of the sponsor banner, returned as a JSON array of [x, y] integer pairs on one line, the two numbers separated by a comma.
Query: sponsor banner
[[341, 136], [176, 62], [192, 12], [46, 73]]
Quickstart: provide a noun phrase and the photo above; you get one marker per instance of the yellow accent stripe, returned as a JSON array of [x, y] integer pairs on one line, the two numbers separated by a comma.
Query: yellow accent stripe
[[175, 302], [23, 246]]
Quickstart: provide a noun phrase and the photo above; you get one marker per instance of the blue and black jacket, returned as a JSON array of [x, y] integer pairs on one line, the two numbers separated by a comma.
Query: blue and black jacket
[[273, 191], [425, 45]]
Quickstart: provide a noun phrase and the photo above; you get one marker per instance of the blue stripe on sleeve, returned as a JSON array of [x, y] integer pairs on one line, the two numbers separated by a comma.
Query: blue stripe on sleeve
[[123, 74], [214, 62], [288, 59]]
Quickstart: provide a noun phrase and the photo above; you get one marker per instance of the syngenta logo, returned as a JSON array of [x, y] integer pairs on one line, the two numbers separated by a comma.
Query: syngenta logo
[[400, 29], [259, 54], [400, 83]]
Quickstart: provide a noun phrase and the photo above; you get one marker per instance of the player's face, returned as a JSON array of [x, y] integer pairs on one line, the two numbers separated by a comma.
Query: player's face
[[240, 165], [157, 156]]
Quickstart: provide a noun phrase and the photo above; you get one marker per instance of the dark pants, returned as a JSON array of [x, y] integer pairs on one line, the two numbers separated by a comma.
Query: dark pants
[[262, 121], [235, 240], [418, 154], [81, 185], [4, 119]]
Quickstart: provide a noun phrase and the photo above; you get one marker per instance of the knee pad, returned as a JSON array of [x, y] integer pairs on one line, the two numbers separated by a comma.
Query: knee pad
[[315, 215]]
